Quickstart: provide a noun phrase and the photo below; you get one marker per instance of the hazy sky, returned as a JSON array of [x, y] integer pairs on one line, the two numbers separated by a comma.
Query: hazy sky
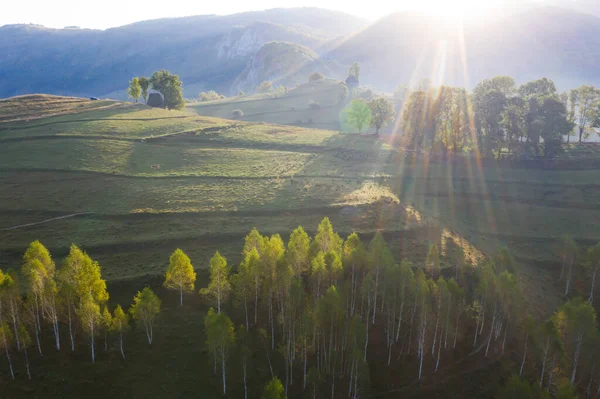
[[110, 13]]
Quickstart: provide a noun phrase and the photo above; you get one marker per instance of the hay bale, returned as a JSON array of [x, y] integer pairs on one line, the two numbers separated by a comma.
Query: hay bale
[[155, 100]]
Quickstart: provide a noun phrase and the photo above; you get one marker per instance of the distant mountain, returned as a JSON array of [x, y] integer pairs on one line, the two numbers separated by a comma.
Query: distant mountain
[[228, 53], [208, 52], [556, 43]]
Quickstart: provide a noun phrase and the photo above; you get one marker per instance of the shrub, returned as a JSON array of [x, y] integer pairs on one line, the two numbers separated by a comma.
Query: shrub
[[314, 104], [237, 113], [265, 86], [315, 76], [209, 96]]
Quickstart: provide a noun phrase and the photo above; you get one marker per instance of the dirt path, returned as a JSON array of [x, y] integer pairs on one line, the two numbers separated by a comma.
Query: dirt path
[[46, 221]]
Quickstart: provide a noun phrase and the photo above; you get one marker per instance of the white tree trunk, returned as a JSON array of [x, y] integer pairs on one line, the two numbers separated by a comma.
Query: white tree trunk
[[69, 305], [593, 284], [576, 354], [245, 382], [544, 361], [223, 368], [524, 355], [27, 363], [121, 343], [569, 276], [92, 342]]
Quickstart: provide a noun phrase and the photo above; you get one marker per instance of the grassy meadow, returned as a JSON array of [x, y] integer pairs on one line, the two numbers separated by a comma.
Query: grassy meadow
[[291, 108], [80, 174]]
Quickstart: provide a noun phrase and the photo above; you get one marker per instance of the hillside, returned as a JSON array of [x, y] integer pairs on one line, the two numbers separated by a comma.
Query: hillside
[[406, 47], [206, 51], [290, 108], [129, 184], [283, 63], [241, 174]]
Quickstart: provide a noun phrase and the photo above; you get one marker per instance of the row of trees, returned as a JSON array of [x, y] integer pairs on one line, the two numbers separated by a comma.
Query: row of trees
[[313, 305], [498, 118], [164, 82]]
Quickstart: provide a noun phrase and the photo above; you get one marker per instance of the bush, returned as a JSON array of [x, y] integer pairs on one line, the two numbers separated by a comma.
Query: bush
[[315, 76], [209, 96], [265, 86], [237, 113], [314, 104]]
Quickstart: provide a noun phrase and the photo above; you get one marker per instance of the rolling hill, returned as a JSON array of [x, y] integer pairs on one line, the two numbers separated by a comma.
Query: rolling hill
[[294, 107], [129, 184]]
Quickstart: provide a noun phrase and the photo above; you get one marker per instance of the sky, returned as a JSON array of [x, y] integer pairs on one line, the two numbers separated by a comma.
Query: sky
[[111, 13]]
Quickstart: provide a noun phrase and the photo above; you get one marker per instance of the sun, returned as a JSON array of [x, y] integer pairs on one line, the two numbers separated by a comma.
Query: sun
[[462, 9]]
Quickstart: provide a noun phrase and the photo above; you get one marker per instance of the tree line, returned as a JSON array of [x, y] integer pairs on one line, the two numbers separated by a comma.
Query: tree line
[[499, 118], [309, 309]]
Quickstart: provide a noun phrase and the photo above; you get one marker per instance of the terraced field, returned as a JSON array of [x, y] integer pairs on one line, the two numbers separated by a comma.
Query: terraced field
[[130, 184]]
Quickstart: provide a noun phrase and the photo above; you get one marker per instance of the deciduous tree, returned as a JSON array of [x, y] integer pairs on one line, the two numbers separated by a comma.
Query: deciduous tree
[[359, 114], [120, 325], [219, 287], [134, 90], [144, 85], [382, 111], [170, 87], [180, 274], [220, 336], [145, 308]]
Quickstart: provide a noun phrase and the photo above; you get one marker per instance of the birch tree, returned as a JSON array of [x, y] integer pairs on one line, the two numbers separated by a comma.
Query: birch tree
[[318, 274], [379, 257], [273, 252], [220, 335], [25, 344], [105, 324], [593, 260], [219, 288], [273, 390], [145, 308], [567, 250], [580, 325], [80, 280], [354, 258], [180, 274], [9, 290], [243, 284], [120, 325], [298, 251], [90, 316], [6, 340], [254, 240], [548, 337], [326, 239], [38, 269]]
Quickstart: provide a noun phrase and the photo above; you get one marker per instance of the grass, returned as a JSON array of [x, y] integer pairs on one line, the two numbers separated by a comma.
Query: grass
[[217, 180], [291, 108], [221, 178]]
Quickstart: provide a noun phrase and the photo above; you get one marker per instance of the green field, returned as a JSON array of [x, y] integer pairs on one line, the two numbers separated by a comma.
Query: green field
[[88, 178]]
